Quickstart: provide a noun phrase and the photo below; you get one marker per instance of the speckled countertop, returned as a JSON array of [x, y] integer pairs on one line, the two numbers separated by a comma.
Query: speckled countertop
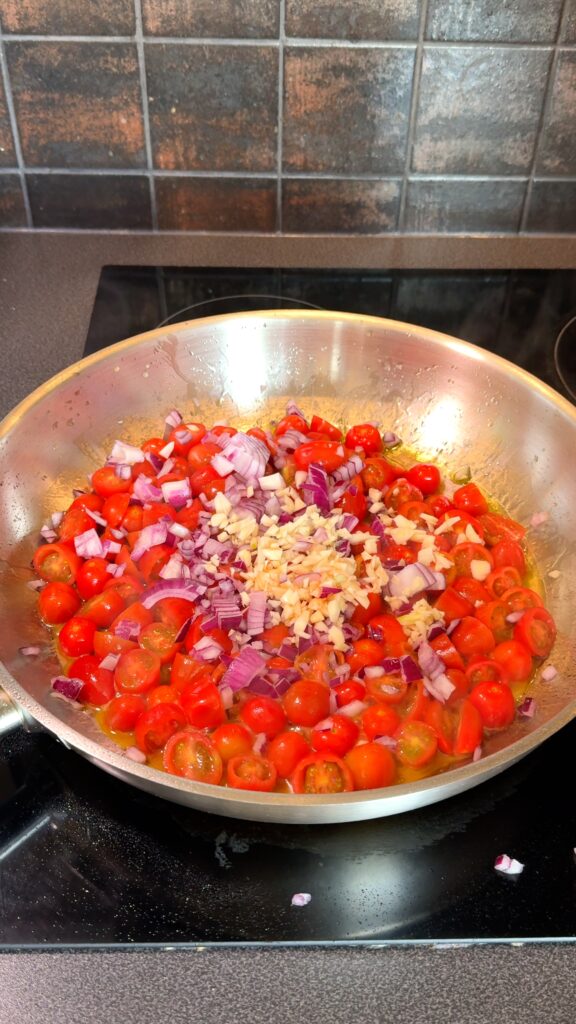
[[47, 287]]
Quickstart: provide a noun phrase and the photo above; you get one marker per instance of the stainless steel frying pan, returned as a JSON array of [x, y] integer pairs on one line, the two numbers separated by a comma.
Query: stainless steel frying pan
[[452, 402]]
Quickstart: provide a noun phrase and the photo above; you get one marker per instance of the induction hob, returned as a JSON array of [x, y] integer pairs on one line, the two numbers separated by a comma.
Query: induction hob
[[87, 860]]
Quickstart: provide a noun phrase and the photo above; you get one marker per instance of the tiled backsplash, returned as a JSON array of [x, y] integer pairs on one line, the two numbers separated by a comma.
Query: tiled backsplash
[[295, 116]]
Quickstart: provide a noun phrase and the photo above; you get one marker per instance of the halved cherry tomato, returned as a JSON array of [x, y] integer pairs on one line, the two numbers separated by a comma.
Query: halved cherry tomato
[[537, 631], [98, 682], [501, 580], [88, 500], [156, 725], [493, 614], [470, 499], [362, 615], [328, 454], [416, 743], [365, 436], [414, 510], [366, 652], [106, 642], [322, 773], [349, 690], [173, 611], [57, 603], [75, 522], [319, 662], [104, 608], [232, 739], [486, 670], [286, 750], [472, 638], [57, 563], [497, 528], [353, 501], [453, 604], [509, 553], [387, 689], [92, 577], [338, 738], [186, 669], [291, 422], [161, 639], [137, 671], [306, 702], [390, 636], [380, 720], [263, 714], [206, 481], [115, 508], [320, 426], [399, 492], [202, 704], [519, 599], [515, 659], [105, 482], [495, 703], [251, 771], [378, 473], [77, 636], [123, 712], [417, 700], [464, 554], [201, 455], [372, 766], [425, 477], [443, 646], [438, 504], [193, 755], [163, 694], [472, 590]]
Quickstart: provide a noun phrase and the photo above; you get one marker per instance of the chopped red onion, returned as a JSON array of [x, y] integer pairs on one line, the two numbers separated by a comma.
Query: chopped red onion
[[222, 465], [227, 695], [221, 440], [527, 708], [57, 517], [409, 670], [440, 687], [189, 590], [263, 687], [549, 673], [390, 439], [110, 547], [167, 450], [148, 538], [514, 616], [176, 492], [173, 419], [179, 530], [353, 708], [166, 468], [508, 865], [125, 454], [349, 469], [173, 568], [207, 649], [136, 755], [182, 631], [244, 669], [374, 671], [36, 584], [183, 436], [300, 899], [291, 440], [436, 629], [316, 490], [97, 518], [273, 482], [248, 455], [88, 544], [66, 687], [109, 662], [259, 742], [127, 629], [145, 490], [30, 651], [431, 663], [412, 579], [256, 613], [387, 741], [333, 702], [48, 534], [293, 410], [122, 471], [477, 753], [227, 611]]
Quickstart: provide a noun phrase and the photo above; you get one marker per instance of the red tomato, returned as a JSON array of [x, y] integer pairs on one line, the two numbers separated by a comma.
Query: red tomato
[[104, 608], [263, 714], [206, 481], [75, 522], [493, 614], [320, 426], [137, 671], [189, 517], [509, 553], [160, 638], [349, 690], [378, 473], [291, 422], [106, 642], [438, 504], [501, 580], [472, 590], [338, 738], [156, 725], [362, 615], [365, 436], [537, 631], [318, 662], [202, 454], [328, 454], [123, 712], [250, 771], [202, 704], [519, 599], [89, 500], [92, 577], [459, 521], [193, 755], [472, 638], [380, 720], [486, 670], [353, 501], [77, 636], [153, 514], [163, 694], [416, 743], [371, 765], [57, 563], [274, 637], [186, 669], [98, 682], [232, 740], [458, 728], [495, 703], [515, 658], [105, 482], [389, 635], [366, 652], [453, 604], [414, 510], [387, 689], [306, 702], [443, 646], [135, 613], [460, 683], [322, 773], [417, 700], [400, 492], [57, 603], [173, 611], [153, 561], [183, 438], [115, 508], [425, 477], [286, 750], [464, 554], [470, 499], [497, 528]]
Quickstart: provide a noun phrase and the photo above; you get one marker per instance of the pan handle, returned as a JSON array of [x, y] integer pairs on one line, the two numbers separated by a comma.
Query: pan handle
[[13, 717]]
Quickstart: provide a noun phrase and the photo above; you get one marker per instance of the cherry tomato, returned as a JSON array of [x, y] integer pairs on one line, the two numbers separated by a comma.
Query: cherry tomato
[[57, 563], [263, 714], [390, 634], [231, 740], [320, 426], [515, 658], [106, 642], [57, 603], [104, 608], [75, 522], [88, 500], [190, 516], [328, 454], [464, 554], [380, 720], [438, 504], [183, 437], [378, 473], [470, 499], [206, 481], [137, 671], [163, 694], [486, 670], [416, 743], [519, 599], [414, 510], [497, 528], [453, 604], [400, 492], [509, 553], [365, 436], [306, 702], [202, 454], [193, 755], [353, 501], [153, 561], [105, 482], [349, 690], [115, 508], [537, 631], [501, 580], [425, 477], [443, 646], [495, 703], [366, 652], [98, 682], [362, 615], [77, 636], [251, 771], [416, 703], [92, 577], [286, 750], [371, 765], [202, 704], [338, 738], [160, 638], [472, 638], [291, 422], [458, 728], [387, 689], [186, 669], [123, 712], [459, 681], [156, 725], [322, 773], [319, 662], [493, 614], [173, 611], [472, 590]]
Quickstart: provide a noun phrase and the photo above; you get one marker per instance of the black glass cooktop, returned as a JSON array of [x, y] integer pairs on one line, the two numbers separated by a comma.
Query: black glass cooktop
[[85, 859]]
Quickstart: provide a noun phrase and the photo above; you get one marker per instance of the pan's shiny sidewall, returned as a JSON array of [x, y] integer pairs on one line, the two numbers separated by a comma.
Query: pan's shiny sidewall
[[448, 400]]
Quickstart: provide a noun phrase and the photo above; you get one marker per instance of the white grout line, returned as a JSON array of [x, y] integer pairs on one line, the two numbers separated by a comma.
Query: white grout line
[[361, 44], [145, 112], [135, 172], [414, 100], [15, 133], [280, 119]]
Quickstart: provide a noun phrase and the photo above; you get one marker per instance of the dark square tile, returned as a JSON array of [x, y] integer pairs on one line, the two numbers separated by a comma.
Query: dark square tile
[[569, 27], [557, 154], [479, 109], [7, 155], [12, 210], [216, 204], [352, 207], [213, 108], [346, 110], [77, 104], [68, 17], [98, 201], [363, 19], [520, 21], [234, 19], [552, 207], [456, 205]]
